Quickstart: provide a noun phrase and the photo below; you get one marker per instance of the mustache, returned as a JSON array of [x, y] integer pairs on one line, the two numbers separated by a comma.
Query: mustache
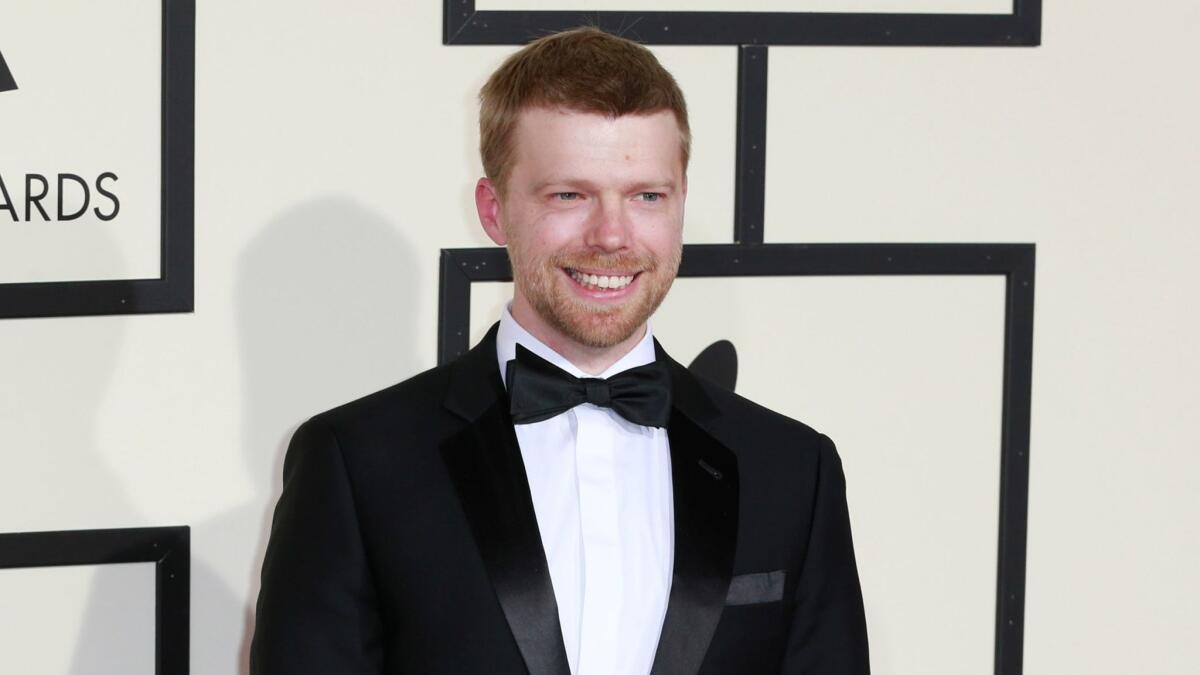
[[622, 262]]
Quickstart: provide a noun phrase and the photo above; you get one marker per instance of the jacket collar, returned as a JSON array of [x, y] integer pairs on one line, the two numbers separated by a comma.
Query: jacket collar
[[475, 383]]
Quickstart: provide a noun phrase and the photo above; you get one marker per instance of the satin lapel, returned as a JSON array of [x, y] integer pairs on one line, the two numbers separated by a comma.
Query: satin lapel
[[484, 463], [705, 485]]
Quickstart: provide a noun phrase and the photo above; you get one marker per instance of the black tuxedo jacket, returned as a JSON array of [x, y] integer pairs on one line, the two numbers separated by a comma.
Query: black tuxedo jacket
[[405, 540]]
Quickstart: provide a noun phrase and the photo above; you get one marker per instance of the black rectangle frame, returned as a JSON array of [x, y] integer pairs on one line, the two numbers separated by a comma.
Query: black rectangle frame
[[167, 547], [173, 290], [1015, 262], [462, 24]]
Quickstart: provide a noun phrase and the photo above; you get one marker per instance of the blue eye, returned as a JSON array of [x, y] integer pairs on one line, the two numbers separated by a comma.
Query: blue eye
[[566, 196], [650, 196]]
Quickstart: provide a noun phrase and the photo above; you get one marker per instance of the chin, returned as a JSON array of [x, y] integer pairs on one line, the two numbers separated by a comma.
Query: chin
[[599, 327], [606, 335]]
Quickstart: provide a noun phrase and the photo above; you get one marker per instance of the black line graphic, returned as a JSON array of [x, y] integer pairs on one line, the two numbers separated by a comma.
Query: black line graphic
[[173, 289], [169, 548], [463, 24], [749, 179], [7, 83]]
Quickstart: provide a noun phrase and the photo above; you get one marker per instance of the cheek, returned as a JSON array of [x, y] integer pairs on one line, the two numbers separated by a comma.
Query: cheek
[[557, 231], [664, 238], [539, 243]]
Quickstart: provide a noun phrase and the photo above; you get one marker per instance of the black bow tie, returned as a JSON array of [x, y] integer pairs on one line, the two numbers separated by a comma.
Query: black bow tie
[[539, 390]]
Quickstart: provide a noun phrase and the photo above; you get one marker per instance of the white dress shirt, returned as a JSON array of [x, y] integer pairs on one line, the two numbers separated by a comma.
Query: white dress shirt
[[601, 488]]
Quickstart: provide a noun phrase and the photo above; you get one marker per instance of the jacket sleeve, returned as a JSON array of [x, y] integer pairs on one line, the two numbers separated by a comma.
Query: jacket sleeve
[[828, 632], [317, 611]]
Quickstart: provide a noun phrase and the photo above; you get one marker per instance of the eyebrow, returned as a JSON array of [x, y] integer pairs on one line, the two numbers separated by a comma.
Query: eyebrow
[[664, 185]]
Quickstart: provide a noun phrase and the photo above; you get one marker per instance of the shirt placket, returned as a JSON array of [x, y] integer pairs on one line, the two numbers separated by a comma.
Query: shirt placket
[[598, 515]]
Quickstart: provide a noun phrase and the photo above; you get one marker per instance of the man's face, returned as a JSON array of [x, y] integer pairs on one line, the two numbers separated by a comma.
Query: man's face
[[592, 215]]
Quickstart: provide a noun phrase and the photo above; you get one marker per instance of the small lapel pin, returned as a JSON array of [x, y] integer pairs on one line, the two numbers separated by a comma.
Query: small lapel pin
[[715, 473]]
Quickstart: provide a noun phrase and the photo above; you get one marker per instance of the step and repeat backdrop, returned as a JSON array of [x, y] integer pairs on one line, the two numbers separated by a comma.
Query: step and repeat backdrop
[[217, 221], [899, 352]]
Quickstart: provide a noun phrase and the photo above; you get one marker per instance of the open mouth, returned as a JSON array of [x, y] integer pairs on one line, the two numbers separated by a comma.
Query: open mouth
[[601, 282]]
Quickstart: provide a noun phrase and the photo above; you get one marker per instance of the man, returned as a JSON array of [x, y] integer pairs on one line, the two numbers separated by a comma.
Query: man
[[565, 498]]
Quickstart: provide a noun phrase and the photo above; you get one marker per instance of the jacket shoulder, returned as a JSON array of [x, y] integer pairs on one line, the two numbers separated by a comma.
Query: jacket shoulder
[[747, 426], [779, 459], [402, 404]]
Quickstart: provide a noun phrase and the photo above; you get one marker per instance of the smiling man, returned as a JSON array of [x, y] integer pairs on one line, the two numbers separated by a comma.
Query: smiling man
[[592, 214], [565, 498]]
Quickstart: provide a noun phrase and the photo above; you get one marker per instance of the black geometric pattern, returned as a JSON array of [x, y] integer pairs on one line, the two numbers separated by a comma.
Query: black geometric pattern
[[169, 548], [173, 289], [7, 83]]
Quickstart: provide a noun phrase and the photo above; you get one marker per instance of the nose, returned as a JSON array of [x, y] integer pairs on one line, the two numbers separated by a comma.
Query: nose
[[609, 226]]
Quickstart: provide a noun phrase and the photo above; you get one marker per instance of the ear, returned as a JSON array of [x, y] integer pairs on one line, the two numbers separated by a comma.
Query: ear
[[487, 204]]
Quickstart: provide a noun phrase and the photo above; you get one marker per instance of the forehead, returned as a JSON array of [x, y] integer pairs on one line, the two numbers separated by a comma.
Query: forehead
[[556, 140]]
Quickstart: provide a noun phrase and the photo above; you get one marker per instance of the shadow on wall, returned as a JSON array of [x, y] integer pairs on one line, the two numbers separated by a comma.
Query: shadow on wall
[[116, 630], [60, 479], [117, 633], [325, 302]]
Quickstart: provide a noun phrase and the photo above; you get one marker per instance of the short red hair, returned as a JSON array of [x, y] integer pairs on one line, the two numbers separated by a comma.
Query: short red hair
[[585, 70]]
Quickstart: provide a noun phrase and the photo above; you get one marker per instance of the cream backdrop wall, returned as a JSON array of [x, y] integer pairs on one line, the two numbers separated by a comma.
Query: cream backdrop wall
[[335, 157]]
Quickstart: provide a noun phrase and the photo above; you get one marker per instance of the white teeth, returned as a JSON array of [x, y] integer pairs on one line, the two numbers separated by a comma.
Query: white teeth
[[604, 282]]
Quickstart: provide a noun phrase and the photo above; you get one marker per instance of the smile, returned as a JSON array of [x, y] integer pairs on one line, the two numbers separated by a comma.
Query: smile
[[601, 282]]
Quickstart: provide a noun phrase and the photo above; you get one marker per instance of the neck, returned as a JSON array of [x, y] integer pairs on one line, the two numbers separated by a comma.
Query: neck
[[591, 360]]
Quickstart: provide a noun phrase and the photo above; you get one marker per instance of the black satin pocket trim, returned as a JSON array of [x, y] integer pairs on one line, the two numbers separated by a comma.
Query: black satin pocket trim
[[753, 589]]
